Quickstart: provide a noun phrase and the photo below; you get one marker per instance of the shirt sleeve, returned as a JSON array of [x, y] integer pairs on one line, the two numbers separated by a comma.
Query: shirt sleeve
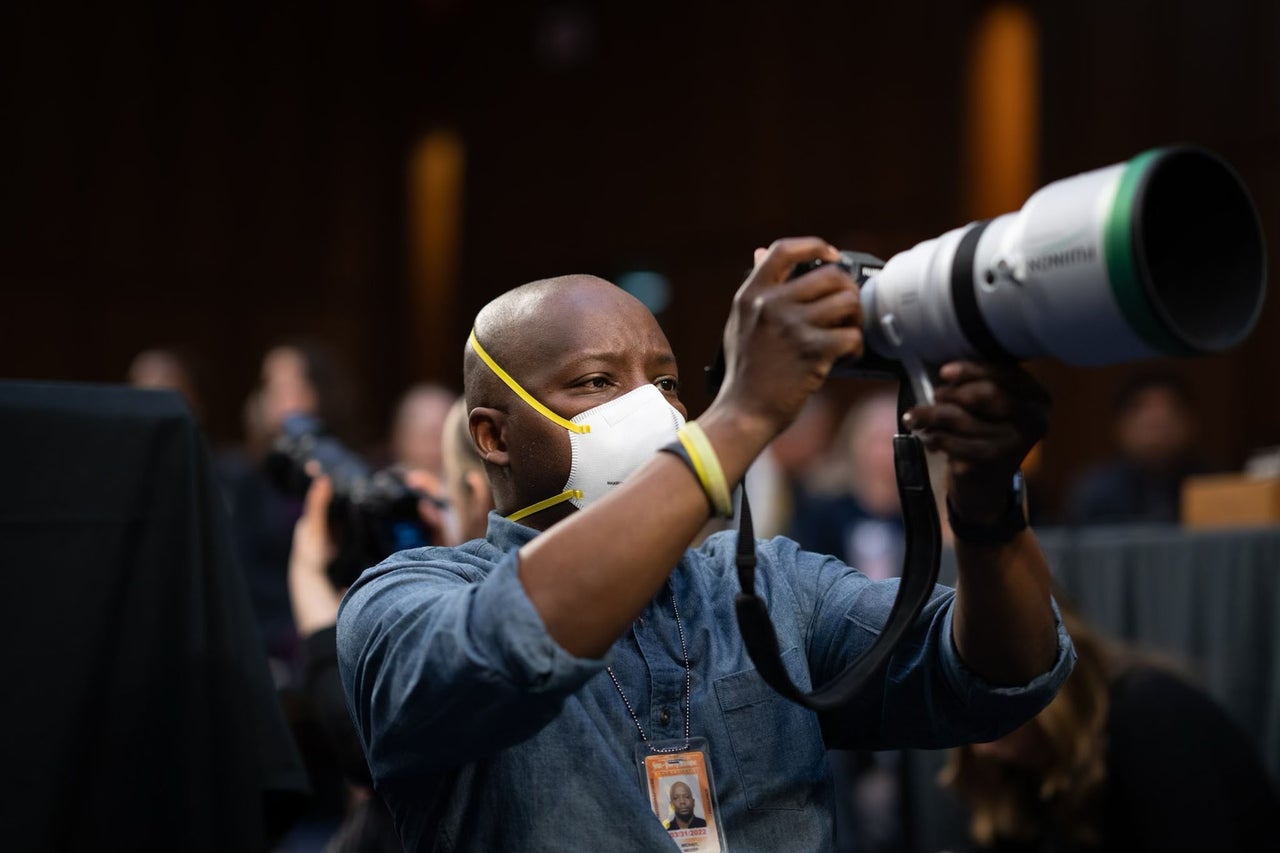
[[443, 666], [929, 698]]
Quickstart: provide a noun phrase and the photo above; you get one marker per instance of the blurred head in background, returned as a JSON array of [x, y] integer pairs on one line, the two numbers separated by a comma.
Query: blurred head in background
[[418, 429], [1155, 423], [465, 479], [860, 462], [171, 369], [306, 377]]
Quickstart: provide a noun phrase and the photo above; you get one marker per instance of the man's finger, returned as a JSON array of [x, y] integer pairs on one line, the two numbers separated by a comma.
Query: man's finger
[[841, 308], [950, 418], [981, 397], [958, 447], [786, 253], [815, 284], [319, 493], [838, 342], [1010, 376]]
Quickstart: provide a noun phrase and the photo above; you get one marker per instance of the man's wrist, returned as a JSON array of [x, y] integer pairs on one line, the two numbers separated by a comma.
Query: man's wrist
[[998, 530], [738, 437]]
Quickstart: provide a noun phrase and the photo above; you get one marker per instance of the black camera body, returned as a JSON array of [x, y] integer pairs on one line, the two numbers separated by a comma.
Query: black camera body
[[372, 515], [860, 266]]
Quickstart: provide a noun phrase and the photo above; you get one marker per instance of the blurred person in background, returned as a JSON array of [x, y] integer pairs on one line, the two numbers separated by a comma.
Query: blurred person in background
[[1155, 429], [169, 368], [302, 376], [780, 477], [1130, 756], [418, 425], [178, 368], [853, 512], [366, 826], [297, 377], [467, 486], [851, 509]]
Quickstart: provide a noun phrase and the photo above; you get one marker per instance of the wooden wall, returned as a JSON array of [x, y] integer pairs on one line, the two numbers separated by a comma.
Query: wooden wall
[[227, 176]]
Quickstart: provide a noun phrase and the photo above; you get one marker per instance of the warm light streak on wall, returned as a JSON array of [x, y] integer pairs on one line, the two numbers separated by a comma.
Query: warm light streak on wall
[[1001, 157], [436, 170]]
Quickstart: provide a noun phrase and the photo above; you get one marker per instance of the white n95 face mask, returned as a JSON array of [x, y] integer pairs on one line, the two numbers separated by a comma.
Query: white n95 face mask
[[625, 433], [607, 442]]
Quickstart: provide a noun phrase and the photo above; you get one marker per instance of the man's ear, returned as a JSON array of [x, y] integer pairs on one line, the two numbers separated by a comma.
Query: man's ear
[[488, 431]]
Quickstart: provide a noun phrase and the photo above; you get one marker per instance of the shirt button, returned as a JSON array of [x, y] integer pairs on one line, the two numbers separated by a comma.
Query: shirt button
[[664, 717]]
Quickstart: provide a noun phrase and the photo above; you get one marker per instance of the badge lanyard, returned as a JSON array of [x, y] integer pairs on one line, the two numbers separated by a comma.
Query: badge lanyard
[[677, 774], [684, 651]]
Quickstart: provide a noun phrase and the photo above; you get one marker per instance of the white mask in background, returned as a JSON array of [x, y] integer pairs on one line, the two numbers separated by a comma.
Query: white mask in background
[[608, 441]]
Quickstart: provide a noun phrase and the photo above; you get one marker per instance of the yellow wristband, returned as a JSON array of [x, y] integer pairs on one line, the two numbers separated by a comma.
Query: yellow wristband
[[706, 464]]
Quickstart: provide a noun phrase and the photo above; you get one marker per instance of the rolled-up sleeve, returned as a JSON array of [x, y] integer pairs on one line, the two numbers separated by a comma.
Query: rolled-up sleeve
[[930, 698], [997, 710], [443, 664]]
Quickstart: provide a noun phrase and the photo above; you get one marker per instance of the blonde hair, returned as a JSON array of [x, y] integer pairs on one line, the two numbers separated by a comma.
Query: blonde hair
[[1061, 799], [460, 450]]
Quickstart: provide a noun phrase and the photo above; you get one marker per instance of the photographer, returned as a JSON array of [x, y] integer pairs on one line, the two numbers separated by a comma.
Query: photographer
[[513, 693], [366, 825]]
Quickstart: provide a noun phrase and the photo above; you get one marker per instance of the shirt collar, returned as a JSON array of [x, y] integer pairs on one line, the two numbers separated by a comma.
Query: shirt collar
[[506, 535]]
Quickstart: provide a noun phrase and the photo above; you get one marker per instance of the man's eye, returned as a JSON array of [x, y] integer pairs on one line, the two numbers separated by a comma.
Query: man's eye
[[668, 384], [597, 382]]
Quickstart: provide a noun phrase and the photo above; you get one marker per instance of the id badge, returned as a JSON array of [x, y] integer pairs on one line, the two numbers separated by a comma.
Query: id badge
[[681, 792]]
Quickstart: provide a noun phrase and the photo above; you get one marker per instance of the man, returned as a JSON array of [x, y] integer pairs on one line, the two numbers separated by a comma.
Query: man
[[511, 691], [682, 805]]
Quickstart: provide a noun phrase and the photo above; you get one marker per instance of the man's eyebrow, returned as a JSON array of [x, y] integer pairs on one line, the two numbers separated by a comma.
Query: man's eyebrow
[[607, 356], [658, 357]]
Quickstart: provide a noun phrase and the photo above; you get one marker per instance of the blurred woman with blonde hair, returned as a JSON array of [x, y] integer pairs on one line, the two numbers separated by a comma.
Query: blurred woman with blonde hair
[[1129, 756]]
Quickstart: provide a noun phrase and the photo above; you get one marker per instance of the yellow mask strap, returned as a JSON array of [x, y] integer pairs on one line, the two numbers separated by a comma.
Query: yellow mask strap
[[541, 505], [526, 396]]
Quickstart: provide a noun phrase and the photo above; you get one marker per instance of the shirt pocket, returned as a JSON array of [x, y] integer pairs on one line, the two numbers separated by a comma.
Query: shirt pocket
[[777, 744]]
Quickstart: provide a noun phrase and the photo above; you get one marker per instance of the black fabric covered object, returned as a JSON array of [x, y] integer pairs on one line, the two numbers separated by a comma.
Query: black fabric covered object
[[139, 711]]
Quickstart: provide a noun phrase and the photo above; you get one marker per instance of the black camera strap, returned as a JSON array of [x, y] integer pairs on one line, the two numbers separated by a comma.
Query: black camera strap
[[921, 558], [919, 574]]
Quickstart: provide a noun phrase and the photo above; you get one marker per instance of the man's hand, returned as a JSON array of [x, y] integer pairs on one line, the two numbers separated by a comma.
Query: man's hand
[[784, 334], [985, 418]]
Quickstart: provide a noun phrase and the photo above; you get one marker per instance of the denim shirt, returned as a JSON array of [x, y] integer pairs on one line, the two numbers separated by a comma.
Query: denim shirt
[[483, 734]]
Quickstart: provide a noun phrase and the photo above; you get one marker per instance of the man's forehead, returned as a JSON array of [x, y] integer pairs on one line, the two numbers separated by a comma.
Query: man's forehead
[[583, 321]]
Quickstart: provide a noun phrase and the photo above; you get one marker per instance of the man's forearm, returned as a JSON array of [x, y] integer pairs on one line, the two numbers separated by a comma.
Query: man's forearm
[[591, 574], [1003, 626]]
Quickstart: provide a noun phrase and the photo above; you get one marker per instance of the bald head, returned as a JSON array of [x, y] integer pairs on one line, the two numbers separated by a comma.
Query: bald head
[[536, 324]]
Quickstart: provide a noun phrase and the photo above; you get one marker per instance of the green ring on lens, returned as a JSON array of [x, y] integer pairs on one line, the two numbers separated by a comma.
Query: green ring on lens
[[1122, 266]]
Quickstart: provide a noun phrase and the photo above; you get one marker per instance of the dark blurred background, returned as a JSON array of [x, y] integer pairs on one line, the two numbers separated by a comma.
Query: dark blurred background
[[223, 176]]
